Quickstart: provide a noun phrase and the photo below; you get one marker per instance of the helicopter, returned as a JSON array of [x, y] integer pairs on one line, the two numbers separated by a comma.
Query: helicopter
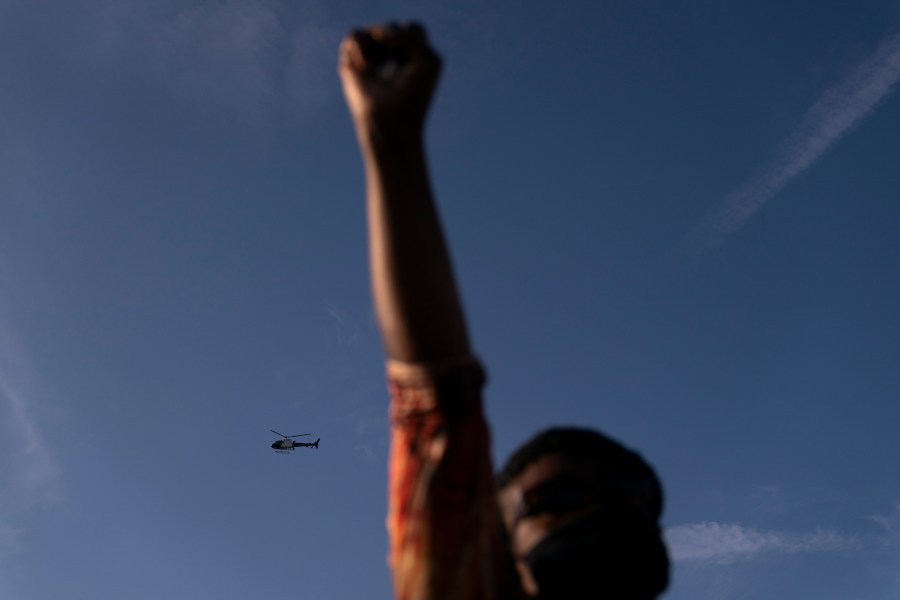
[[286, 444]]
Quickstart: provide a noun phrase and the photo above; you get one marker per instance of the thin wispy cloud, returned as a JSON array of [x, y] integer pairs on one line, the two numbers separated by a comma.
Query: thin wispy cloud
[[218, 50], [249, 57], [889, 523], [364, 453], [250, 62], [347, 332], [837, 112], [30, 476], [724, 543]]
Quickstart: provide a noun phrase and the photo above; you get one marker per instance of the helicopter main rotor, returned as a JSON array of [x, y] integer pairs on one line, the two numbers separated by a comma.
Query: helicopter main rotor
[[289, 436]]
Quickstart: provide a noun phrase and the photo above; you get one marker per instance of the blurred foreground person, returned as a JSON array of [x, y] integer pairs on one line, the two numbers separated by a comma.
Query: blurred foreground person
[[573, 514]]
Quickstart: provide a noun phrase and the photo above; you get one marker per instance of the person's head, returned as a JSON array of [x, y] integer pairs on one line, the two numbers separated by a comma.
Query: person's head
[[582, 514]]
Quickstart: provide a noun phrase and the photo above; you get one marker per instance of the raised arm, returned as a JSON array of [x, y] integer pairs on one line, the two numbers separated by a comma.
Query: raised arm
[[389, 74]]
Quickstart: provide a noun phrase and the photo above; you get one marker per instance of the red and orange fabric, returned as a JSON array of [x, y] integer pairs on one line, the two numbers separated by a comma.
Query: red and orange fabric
[[446, 534]]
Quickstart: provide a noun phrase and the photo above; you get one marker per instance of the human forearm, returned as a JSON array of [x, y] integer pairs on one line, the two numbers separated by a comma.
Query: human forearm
[[416, 301], [389, 74]]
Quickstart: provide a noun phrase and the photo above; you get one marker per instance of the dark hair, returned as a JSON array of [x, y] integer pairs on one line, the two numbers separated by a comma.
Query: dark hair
[[619, 467], [641, 559]]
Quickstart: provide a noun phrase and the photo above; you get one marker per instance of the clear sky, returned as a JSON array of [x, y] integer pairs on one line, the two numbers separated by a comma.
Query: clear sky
[[678, 222]]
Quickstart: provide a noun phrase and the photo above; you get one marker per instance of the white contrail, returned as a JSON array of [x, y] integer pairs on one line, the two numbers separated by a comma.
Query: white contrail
[[840, 109]]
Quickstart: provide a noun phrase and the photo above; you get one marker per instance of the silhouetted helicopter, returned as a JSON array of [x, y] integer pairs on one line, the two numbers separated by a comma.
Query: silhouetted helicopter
[[285, 445]]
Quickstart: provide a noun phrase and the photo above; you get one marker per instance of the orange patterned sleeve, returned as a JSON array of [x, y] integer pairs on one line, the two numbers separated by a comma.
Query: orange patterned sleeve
[[446, 534]]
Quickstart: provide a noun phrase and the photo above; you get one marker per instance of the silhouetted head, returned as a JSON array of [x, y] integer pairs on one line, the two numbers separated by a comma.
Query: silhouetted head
[[582, 512]]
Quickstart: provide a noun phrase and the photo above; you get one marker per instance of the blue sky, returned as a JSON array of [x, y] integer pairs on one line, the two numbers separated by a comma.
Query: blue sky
[[675, 222]]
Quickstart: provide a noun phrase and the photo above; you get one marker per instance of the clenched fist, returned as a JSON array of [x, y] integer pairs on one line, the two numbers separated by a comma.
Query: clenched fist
[[389, 73]]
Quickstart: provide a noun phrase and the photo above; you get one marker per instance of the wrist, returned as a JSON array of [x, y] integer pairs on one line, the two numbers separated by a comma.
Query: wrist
[[379, 141]]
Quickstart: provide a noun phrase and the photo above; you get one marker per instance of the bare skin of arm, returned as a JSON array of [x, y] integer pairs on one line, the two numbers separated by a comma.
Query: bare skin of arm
[[389, 75]]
